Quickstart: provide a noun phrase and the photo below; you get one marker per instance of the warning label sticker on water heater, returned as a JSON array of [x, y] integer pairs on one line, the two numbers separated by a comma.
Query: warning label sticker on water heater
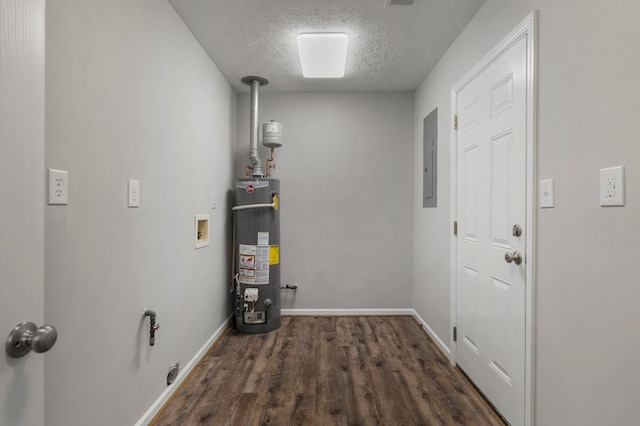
[[254, 264], [248, 261], [263, 238], [274, 254]]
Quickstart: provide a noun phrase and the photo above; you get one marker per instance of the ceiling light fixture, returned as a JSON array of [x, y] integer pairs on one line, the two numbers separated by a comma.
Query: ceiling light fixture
[[390, 3], [323, 55]]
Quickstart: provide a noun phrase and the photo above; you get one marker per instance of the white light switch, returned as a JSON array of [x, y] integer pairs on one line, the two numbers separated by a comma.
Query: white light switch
[[134, 193], [612, 186], [546, 194], [58, 187]]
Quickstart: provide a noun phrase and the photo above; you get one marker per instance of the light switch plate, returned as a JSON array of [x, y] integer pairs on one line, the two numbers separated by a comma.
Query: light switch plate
[[133, 190], [612, 186], [547, 197], [58, 187]]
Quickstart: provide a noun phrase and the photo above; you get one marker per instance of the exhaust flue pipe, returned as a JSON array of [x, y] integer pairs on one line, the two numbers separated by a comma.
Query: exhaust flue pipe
[[256, 162]]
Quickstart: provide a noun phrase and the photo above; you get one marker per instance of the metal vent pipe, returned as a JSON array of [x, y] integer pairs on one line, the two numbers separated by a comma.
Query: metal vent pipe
[[256, 162]]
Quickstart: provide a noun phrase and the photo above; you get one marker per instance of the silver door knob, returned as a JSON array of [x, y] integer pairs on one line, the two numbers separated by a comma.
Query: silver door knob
[[515, 257], [26, 337]]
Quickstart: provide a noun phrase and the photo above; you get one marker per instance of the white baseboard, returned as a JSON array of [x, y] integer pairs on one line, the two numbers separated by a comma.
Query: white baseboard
[[347, 312], [168, 392], [443, 347]]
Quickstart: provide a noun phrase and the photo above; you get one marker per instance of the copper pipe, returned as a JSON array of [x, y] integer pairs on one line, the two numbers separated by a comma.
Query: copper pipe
[[270, 164]]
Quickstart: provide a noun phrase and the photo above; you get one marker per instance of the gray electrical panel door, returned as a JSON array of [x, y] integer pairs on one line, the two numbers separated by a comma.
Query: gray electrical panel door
[[430, 164]]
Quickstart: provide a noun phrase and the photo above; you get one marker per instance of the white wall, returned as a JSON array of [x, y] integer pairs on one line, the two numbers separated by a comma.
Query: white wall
[[345, 195], [586, 315], [21, 210], [131, 94]]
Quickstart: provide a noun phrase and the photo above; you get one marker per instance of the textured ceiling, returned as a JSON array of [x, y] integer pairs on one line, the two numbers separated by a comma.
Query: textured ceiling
[[390, 48]]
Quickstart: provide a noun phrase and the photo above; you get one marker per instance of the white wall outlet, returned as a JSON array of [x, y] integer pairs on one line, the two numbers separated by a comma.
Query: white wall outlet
[[612, 186], [133, 190], [547, 198], [58, 187]]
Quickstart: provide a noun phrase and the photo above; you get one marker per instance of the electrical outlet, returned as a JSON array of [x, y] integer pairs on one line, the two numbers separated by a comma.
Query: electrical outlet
[[58, 187], [612, 186]]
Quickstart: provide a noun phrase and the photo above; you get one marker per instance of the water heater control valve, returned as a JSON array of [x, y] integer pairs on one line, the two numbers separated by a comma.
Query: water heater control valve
[[250, 294]]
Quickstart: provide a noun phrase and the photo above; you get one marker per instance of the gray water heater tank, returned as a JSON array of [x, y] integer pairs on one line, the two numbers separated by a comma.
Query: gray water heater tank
[[257, 255]]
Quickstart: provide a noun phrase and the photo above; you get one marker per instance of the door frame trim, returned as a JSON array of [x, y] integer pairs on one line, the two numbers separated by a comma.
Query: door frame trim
[[527, 28]]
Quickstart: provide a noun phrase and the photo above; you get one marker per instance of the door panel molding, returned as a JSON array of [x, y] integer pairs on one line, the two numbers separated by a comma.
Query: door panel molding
[[525, 30]]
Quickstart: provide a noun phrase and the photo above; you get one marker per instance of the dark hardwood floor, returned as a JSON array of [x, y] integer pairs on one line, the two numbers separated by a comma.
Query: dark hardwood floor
[[328, 371]]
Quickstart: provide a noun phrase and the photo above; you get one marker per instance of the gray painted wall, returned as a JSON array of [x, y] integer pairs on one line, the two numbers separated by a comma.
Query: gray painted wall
[[131, 94], [346, 188], [586, 316]]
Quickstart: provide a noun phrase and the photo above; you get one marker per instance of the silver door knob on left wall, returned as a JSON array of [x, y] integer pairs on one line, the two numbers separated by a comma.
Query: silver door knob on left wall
[[26, 337]]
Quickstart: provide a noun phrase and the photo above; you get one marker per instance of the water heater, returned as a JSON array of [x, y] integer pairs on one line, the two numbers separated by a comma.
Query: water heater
[[257, 254], [256, 236]]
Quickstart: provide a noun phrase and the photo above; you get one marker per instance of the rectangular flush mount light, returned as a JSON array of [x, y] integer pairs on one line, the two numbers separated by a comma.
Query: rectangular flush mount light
[[323, 55]]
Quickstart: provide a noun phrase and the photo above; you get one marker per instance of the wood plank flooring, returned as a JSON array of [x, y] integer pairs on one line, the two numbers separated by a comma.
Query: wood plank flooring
[[328, 371]]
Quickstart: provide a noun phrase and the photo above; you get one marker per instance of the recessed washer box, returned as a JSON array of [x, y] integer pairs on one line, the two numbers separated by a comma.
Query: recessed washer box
[[201, 230]]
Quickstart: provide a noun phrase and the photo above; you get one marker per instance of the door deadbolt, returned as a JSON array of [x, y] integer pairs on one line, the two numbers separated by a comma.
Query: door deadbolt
[[517, 230], [515, 257]]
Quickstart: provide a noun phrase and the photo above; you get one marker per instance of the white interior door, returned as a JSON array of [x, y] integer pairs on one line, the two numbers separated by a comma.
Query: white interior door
[[492, 223], [21, 203]]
